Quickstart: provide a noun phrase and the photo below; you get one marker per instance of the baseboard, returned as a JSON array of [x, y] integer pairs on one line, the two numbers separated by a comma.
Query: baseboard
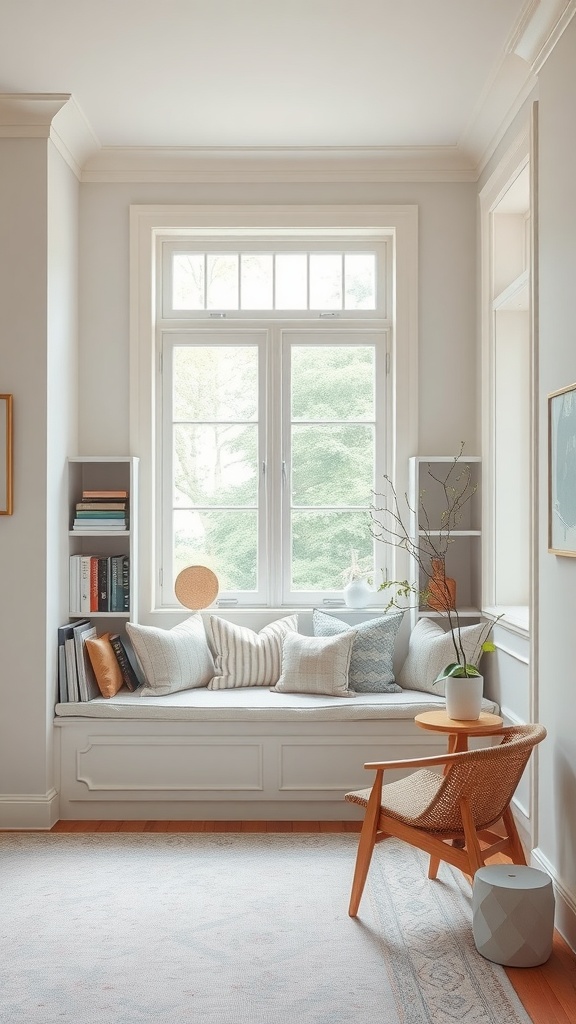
[[29, 810], [565, 918]]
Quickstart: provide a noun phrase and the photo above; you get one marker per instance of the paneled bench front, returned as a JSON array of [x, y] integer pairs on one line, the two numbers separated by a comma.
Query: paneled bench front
[[237, 754]]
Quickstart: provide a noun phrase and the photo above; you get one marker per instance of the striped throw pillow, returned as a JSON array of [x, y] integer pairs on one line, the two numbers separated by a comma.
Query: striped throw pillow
[[243, 657]]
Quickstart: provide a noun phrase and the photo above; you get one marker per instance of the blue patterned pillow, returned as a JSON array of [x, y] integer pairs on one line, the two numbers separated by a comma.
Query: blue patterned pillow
[[371, 669]]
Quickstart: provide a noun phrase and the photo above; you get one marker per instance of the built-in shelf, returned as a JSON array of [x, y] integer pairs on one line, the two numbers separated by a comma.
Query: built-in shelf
[[116, 472]]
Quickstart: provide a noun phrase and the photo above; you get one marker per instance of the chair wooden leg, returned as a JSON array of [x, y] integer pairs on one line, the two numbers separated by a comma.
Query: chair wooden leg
[[366, 846], [433, 866], [516, 848], [473, 848]]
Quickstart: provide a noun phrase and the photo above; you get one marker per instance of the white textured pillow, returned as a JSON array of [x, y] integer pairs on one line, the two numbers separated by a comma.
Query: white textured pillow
[[243, 657], [316, 664], [172, 659], [430, 650]]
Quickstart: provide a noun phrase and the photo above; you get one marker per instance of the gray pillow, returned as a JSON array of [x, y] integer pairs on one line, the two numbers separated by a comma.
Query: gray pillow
[[371, 669], [317, 665]]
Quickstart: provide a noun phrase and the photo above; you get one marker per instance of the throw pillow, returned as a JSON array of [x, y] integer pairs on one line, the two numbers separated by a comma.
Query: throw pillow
[[430, 649], [172, 659], [243, 657], [105, 664], [316, 664], [371, 669]]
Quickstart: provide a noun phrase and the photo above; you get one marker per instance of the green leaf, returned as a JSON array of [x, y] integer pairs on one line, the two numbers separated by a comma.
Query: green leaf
[[488, 646], [456, 671]]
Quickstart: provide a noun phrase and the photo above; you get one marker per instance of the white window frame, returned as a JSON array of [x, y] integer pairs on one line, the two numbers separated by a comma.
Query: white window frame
[[149, 224]]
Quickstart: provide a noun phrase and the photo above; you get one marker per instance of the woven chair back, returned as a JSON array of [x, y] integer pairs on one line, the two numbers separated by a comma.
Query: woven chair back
[[487, 778]]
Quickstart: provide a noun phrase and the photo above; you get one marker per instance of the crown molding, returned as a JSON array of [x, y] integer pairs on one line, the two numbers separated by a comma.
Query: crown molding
[[278, 164], [29, 115], [73, 137], [54, 116], [539, 28]]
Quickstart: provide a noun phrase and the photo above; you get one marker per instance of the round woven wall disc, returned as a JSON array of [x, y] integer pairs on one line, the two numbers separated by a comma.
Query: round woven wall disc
[[196, 586]]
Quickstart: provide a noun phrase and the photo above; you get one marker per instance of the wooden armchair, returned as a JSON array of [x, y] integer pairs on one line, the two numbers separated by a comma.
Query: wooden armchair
[[448, 816]]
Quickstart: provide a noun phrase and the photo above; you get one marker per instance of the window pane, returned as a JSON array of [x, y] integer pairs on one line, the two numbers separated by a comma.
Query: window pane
[[291, 281], [188, 280], [215, 464], [226, 541], [222, 274], [326, 281], [321, 543], [332, 465], [332, 382], [215, 382], [360, 280], [256, 281]]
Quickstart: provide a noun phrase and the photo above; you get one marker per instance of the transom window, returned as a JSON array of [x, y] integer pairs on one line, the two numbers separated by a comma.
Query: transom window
[[258, 279]]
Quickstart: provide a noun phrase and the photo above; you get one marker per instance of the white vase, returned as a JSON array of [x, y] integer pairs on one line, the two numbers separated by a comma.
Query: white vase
[[357, 594], [464, 698]]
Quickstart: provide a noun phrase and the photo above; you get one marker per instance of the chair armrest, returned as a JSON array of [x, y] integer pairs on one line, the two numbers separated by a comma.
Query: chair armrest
[[418, 762]]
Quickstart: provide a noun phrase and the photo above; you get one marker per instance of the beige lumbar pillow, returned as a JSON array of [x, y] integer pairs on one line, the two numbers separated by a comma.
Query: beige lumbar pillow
[[243, 657], [316, 664], [172, 659]]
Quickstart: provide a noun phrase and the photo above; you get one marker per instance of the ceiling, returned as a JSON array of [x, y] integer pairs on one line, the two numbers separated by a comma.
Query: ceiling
[[273, 73]]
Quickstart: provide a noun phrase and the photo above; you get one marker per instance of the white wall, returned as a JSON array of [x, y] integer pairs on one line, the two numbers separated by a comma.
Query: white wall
[[557, 575], [37, 358], [447, 298]]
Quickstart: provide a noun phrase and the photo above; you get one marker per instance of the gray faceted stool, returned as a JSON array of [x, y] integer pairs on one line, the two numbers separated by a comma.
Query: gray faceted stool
[[513, 914]]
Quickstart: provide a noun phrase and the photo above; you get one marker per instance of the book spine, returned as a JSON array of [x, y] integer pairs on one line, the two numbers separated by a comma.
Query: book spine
[[104, 584], [85, 584], [126, 583], [93, 584], [128, 675], [75, 583], [108, 495]]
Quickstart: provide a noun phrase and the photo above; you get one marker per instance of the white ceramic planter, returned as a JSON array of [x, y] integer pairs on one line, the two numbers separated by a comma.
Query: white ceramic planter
[[464, 698], [357, 594]]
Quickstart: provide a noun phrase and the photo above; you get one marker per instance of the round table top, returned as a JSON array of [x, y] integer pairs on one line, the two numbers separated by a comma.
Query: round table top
[[438, 721]]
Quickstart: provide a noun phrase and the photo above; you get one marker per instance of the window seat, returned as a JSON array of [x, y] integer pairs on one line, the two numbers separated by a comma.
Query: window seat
[[236, 754], [255, 704]]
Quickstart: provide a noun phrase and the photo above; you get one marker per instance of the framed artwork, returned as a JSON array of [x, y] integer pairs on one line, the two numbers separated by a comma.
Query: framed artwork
[[562, 471], [5, 455]]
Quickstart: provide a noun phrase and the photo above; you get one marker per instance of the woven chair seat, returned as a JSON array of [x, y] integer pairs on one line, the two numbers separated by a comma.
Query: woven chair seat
[[407, 799]]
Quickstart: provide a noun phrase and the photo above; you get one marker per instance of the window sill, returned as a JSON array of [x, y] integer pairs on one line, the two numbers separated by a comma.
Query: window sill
[[515, 618]]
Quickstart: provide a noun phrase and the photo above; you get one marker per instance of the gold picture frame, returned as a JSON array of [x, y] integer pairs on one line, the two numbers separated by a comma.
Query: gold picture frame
[[5, 455], [562, 471]]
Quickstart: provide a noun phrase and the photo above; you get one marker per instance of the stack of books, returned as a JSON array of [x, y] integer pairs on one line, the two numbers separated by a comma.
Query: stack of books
[[76, 679], [101, 512], [99, 583]]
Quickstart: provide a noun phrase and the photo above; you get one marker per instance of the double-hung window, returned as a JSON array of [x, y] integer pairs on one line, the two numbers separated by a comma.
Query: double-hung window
[[272, 387], [272, 414]]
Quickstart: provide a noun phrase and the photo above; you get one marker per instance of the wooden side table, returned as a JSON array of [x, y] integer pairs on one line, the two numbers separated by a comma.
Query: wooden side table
[[459, 731]]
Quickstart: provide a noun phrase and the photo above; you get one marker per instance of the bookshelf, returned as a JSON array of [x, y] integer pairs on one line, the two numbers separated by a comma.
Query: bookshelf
[[463, 560], [93, 472]]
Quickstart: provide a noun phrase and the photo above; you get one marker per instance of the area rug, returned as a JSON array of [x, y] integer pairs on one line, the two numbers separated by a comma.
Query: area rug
[[225, 928]]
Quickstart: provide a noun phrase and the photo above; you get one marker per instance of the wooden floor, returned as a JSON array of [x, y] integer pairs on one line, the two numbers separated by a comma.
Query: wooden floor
[[547, 992]]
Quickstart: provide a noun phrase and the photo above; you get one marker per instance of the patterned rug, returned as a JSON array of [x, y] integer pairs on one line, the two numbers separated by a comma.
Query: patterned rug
[[225, 928]]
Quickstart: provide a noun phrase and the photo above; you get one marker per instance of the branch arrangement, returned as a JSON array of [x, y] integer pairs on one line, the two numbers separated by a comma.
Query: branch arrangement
[[427, 544]]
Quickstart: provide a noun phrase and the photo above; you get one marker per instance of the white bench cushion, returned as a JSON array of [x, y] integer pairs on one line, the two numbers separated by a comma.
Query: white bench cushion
[[256, 703]]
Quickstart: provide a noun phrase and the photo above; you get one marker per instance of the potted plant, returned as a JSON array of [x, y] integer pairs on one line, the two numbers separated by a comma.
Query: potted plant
[[428, 546], [357, 577]]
